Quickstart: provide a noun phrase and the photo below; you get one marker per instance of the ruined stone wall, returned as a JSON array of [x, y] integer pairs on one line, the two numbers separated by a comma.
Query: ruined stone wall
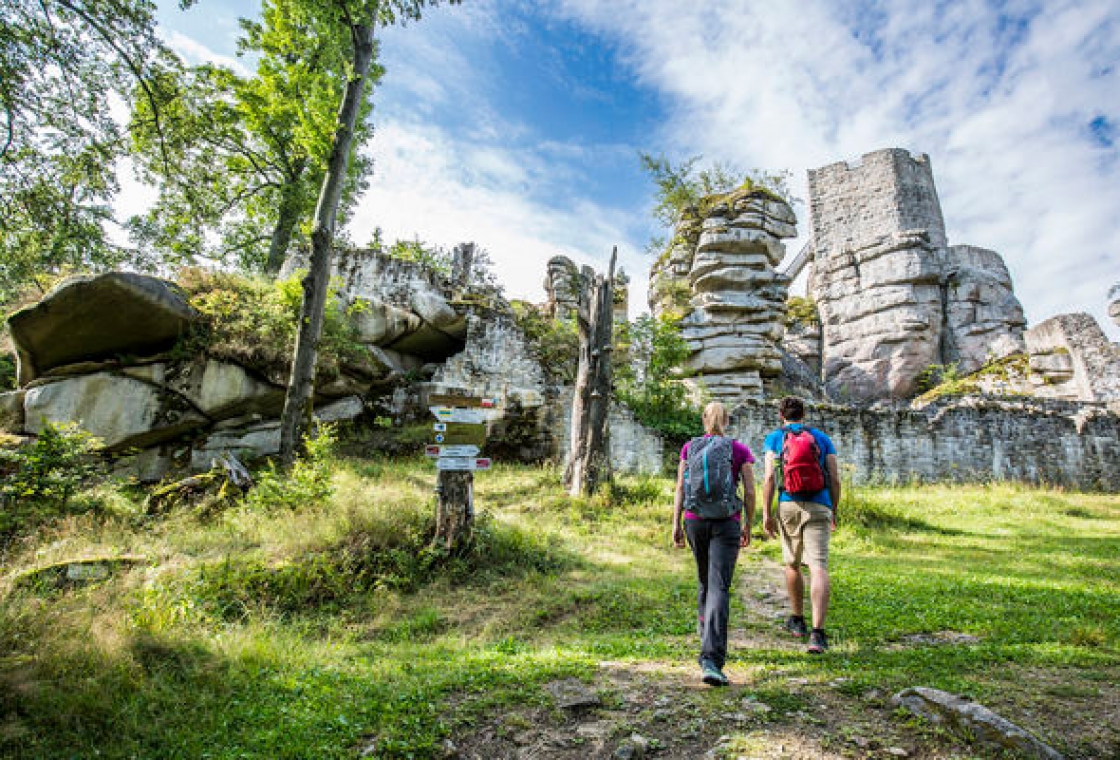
[[634, 448], [1050, 443]]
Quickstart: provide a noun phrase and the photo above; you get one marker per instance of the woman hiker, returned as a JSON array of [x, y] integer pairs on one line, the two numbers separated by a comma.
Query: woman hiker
[[709, 512]]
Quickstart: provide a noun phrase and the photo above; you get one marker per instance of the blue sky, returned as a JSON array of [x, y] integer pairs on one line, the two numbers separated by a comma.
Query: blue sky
[[518, 125]]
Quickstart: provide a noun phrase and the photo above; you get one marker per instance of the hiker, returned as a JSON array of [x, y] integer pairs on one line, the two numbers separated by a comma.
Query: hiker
[[801, 463], [708, 511]]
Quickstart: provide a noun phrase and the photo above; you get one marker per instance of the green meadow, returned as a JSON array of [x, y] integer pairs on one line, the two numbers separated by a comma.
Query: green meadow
[[325, 626]]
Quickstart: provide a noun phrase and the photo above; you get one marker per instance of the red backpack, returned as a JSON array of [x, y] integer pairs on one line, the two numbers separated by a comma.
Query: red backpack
[[801, 463]]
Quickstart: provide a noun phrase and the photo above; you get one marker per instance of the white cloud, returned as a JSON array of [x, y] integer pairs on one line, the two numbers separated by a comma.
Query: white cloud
[[432, 185]]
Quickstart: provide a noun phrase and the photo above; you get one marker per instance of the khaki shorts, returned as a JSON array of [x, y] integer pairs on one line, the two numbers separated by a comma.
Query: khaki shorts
[[805, 528]]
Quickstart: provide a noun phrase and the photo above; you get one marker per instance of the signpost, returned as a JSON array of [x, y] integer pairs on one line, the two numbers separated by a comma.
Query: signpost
[[459, 434]]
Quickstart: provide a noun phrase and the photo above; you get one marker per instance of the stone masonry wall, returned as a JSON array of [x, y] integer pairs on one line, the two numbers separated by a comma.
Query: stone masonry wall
[[1053, 443], [634, 448]]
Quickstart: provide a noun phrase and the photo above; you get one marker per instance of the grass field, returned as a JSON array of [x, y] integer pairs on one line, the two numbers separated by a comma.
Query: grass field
[[315, 632]]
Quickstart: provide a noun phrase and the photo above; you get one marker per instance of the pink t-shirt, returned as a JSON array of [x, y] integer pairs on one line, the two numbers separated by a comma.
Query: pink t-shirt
[[740, 455]]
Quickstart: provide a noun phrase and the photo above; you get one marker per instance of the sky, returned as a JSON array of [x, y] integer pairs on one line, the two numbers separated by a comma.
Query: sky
[[518, 125]]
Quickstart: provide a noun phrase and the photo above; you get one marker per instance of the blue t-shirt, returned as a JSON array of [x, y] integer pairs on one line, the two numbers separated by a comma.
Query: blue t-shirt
[[824, 443]]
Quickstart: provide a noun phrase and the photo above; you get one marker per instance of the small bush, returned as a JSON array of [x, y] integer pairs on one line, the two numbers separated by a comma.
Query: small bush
[[7, 372], [307, 483], [555, 341], [38, 480]]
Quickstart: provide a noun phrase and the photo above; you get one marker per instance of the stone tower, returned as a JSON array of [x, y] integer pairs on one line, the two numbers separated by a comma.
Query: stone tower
[[893, 296]]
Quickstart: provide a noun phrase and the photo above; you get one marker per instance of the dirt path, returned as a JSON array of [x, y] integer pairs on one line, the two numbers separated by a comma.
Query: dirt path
[[662, 710]]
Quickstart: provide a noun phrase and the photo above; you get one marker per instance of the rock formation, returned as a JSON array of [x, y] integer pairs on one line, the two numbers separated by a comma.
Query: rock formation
[[894, 298], [91, 317], [1071, 358], [720, 273], [561, 284], [983, 318], [1114, 303]]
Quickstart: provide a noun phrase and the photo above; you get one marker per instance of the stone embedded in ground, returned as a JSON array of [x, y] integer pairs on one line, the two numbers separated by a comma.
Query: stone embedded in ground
[[972, 720], [572, 694], [78, 571], [92, 318]]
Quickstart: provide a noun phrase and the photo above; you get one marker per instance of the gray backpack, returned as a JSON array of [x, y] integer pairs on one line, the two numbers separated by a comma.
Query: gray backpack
[[709, 479]]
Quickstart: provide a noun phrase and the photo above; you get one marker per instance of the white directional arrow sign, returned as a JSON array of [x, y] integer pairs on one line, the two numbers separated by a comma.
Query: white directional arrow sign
[[462, 464], [462, 450]]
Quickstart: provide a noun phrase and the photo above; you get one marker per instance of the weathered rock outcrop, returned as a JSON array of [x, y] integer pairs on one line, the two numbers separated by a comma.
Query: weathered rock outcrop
[[735, 309], [983, 318], [402, 307], [1114, 303], [96, 317], [561, 285], [881, 314], [894, 298], [1071, 358]]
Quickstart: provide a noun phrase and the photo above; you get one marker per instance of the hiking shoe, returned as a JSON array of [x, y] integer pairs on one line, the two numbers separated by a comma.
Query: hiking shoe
[[712, 675], [818, 642], [795, 624]]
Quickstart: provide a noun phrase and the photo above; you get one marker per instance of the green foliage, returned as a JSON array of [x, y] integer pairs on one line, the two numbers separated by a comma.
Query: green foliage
[[7, 371], [61, 63], [555, 341], [684, 189], [434, 258], [39, 479], [239, 160], [306, 483], [801, 310], [651, 384], [252, 321]]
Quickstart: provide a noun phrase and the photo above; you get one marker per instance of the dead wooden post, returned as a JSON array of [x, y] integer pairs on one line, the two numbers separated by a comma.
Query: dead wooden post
[[589, 463], [454, 509]]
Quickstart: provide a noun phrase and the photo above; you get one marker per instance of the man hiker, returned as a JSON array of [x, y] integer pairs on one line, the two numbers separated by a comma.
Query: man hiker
[[801, 464], [707, 509]]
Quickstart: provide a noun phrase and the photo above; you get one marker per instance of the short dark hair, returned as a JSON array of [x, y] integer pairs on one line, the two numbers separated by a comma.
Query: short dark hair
[[791, 408]]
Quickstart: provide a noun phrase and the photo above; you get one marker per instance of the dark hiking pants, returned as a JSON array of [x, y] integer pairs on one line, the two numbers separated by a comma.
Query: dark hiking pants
[[715, 545]]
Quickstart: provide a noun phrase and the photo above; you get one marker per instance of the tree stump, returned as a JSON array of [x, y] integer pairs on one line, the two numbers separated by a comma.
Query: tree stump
[[589, 465], [455, 509]]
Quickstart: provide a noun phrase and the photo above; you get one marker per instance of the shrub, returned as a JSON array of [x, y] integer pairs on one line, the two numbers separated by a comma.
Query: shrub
[[801, 310], [7, 372], [651, 384], [308, 482], [39, 479], [555, 341], [252, 321]]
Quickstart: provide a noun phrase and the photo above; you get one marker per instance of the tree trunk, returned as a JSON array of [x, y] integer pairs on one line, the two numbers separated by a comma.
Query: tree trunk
[[286, 221], [455, 509], [297, 408], [589, 462]]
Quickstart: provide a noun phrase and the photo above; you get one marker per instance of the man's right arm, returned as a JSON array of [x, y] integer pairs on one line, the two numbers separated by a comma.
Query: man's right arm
[[833, 464]]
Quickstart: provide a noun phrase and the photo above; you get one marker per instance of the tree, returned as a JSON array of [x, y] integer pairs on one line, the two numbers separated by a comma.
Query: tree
[[239, 160], [651, 382], [589, 462], [360, 19], [61, 63], [683, 186]]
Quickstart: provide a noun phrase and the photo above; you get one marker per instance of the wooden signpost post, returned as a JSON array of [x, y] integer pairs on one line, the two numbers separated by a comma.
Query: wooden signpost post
[[458, 436]]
